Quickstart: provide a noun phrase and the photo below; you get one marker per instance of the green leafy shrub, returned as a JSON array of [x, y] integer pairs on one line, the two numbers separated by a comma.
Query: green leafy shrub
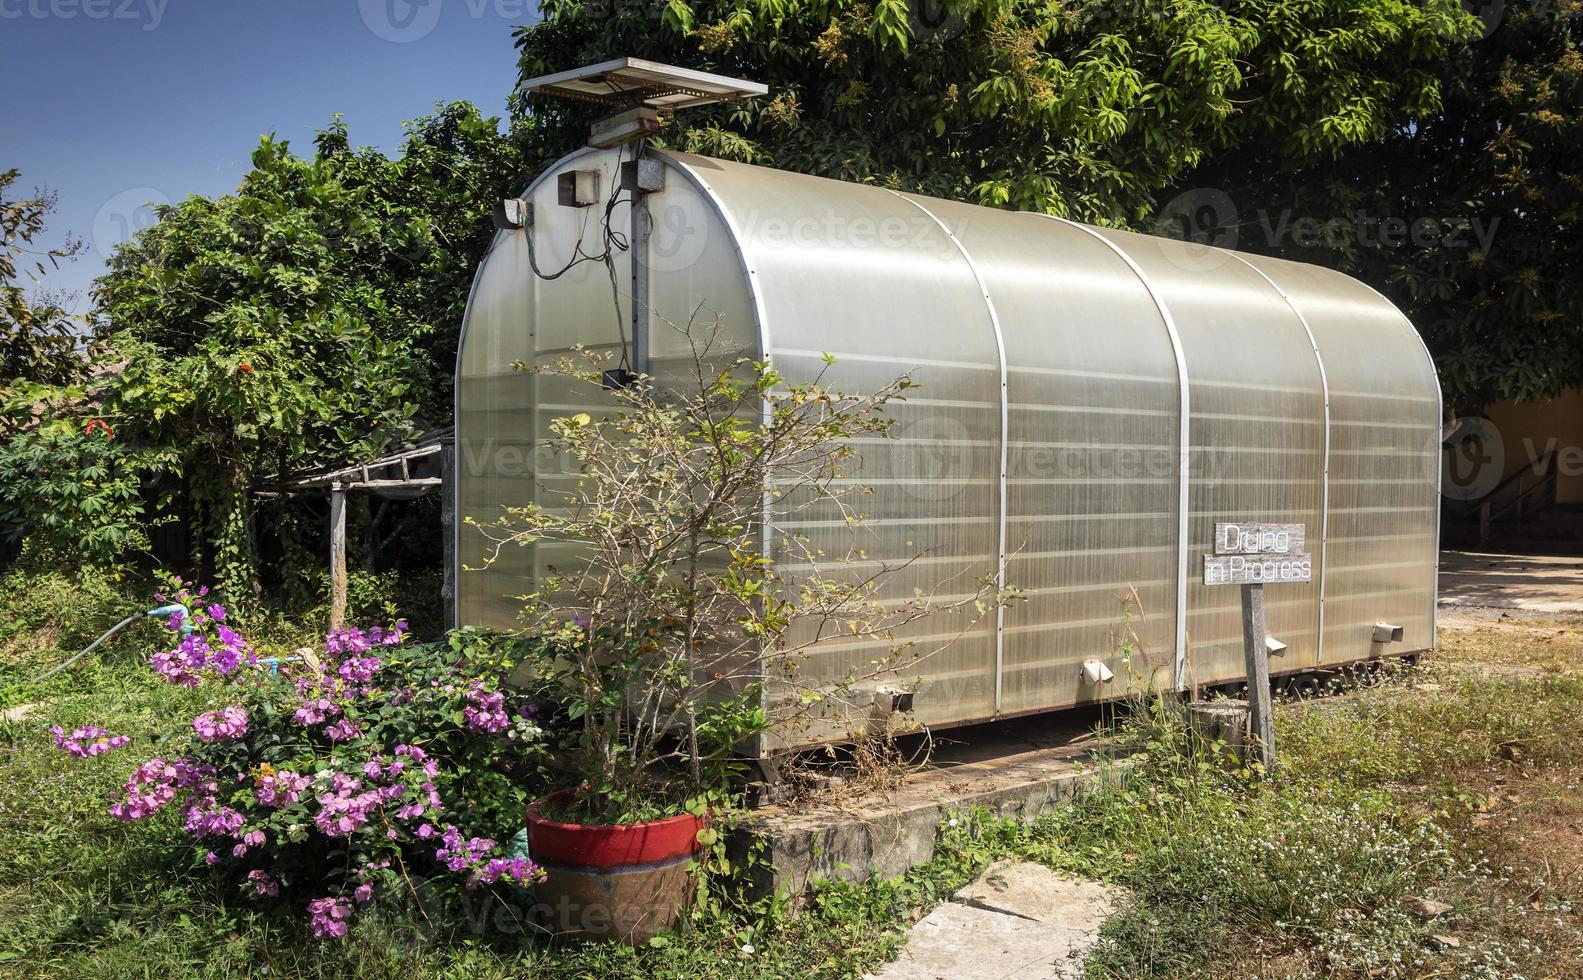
[[72, 489]]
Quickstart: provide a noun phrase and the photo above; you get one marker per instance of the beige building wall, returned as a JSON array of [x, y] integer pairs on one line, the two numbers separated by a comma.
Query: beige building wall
[[1528, 429]]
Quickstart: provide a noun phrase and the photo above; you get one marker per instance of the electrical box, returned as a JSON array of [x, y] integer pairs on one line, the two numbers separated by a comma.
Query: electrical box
[[577, 188]]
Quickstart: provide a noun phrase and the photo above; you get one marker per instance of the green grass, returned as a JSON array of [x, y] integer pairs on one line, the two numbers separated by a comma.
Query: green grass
[[1383, 794]]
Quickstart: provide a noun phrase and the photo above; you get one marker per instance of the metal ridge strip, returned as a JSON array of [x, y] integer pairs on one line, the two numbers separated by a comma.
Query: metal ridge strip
[[1005, 437], [1324, 480], [1184, 455]]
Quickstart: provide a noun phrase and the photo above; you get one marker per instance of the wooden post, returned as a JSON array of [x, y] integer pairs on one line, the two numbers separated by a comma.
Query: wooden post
[[1221, 726], [1257, 661], [337, 556]]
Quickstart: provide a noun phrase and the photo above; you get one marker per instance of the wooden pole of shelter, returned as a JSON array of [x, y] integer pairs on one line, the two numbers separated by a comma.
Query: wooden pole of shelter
[[337, 556], [1257, 660]]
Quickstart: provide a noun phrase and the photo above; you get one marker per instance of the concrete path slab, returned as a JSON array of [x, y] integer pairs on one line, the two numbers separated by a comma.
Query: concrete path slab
[[1016, 921], [1535, 583]]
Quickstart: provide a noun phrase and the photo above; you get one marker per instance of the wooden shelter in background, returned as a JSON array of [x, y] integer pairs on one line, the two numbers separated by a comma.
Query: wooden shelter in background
[[424, 467]]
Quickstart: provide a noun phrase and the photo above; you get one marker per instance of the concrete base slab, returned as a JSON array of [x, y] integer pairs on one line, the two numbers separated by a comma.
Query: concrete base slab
[[1017, 921], [1006, 770]]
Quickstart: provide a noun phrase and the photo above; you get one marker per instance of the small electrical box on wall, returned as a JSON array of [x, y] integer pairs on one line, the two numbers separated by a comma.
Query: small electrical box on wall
[[577, 188]]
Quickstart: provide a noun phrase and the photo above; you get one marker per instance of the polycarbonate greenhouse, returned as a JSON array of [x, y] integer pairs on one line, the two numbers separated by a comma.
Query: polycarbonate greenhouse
[[1091, 402]]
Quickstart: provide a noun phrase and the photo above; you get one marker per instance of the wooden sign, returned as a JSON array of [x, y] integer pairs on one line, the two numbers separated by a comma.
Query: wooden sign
[[1257, 569], [1249, 538], [1251, 555]]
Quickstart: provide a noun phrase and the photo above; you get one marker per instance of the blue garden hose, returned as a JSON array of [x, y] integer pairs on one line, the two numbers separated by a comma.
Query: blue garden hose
[[173, 609]]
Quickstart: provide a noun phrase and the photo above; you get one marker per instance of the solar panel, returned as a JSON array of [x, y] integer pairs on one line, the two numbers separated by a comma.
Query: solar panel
[[630, 82]]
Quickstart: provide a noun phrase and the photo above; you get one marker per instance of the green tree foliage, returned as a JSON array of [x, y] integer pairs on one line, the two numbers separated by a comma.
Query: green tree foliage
[[65, 485], [1467, 217], [1077, 109], [308, 318], [40, 341], [71, 489]]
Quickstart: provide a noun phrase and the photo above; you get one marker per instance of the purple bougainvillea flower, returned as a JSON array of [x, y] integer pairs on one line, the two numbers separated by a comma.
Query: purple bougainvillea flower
[[87, 741], [261, 884], [344, 730], [486, 710], [328, 917], [223, 725]]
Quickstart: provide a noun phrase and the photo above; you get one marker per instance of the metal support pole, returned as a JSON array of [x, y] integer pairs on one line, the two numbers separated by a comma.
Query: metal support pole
[[642, 224], [1257, 660], [337, 556], [448, 531]]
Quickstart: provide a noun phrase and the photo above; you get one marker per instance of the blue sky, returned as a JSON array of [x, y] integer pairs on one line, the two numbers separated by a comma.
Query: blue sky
[[113, 103]]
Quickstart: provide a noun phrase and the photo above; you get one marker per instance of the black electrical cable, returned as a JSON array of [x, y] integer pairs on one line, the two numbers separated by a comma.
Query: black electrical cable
[[612, 240]]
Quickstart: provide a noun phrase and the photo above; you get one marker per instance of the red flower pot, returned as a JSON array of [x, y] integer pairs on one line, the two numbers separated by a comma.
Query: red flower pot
[[627, 882]]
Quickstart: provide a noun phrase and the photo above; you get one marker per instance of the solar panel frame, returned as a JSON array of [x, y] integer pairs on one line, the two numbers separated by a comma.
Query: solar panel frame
[[627, 82]]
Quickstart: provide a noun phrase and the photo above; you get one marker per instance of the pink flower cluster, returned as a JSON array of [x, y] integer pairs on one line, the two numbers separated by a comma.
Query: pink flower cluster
[[245, 810], [486, 710], [280, 789], [87, 741], [472, 856], [196, 654], [261, 884], [328, 917], [348, 804], [355, 641], [223, 725], [206, 817], [154, 784], [348, 676]]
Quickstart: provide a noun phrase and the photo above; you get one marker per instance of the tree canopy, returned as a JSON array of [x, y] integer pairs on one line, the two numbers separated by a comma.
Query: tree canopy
[[40, 341], [1084, 110], [310, 317], [1467, 217]]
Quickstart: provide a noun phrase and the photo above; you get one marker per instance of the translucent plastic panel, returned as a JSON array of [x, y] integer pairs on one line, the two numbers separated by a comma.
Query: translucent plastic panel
[[1092, 456], [698, 296], [1256, 438], [867, 277], [502, 414], [1384, 460]]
